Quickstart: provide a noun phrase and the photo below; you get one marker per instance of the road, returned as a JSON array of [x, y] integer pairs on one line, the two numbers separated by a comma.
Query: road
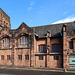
[[30, 72]]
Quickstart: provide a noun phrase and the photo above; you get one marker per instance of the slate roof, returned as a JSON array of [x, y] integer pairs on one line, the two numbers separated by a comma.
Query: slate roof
[[55, 29]]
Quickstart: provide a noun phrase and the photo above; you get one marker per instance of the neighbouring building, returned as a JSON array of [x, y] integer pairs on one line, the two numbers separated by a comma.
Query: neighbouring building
[[41, 46]]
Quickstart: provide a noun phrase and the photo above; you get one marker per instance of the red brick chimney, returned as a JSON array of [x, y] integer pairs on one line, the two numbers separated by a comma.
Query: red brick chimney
[[48, 48], [64, 46], [48, 41]]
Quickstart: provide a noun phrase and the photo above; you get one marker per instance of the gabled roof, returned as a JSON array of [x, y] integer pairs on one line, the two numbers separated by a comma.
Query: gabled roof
[[19, 29]]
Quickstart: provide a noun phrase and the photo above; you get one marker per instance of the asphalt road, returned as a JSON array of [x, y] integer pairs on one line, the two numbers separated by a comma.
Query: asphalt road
[[30, 72]]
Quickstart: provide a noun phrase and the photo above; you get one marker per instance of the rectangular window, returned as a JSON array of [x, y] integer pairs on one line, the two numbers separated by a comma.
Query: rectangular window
[[8, 57], [40, 57], [19, 57], [42, 48], [2, 57], [56, 57], [56, 48], [26, 57], [71, 45]]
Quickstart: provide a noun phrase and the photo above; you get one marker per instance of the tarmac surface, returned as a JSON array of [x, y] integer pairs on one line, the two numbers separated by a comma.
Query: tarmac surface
[[17, 71]]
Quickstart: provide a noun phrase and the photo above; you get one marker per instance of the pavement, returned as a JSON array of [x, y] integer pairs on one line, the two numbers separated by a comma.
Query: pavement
[[67, 70]]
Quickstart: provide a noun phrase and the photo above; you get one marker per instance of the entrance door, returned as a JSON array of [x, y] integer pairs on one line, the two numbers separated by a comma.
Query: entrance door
[[72, 61]]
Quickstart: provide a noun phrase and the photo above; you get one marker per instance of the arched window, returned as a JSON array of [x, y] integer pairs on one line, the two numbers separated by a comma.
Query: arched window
[[6, 42], [23, 41]]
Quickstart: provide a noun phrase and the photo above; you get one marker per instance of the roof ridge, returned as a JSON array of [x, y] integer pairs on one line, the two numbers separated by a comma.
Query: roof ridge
[[52, 24]]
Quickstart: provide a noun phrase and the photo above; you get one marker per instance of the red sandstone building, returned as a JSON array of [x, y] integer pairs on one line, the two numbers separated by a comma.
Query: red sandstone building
[[42, 46]]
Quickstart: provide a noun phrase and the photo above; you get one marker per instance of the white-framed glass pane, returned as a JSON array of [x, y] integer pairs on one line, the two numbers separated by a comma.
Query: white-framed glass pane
[[5, 41], [25, 40], [22, 40]]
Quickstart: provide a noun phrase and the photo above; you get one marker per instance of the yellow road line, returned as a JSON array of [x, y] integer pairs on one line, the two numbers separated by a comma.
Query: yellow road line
[[39, 70]]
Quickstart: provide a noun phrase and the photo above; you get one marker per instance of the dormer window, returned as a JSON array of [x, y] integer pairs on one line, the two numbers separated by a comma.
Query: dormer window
[[23, 41], [6, 43]]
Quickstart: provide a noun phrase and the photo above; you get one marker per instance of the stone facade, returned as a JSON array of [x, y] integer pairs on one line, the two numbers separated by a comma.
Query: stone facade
[[42, 46]]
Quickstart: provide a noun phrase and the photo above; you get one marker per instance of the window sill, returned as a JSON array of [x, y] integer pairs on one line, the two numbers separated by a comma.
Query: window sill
[[19, 60], [40, 53], [22, 47], [51, 53], [26, 61], [55, 53], [5, 48]]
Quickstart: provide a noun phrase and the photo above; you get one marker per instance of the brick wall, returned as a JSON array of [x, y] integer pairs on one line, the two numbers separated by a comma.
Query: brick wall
[[55, 63], [40, 63], [22, 62], [5, 61]]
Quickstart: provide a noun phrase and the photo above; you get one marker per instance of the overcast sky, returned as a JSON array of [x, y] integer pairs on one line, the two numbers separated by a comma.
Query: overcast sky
[[38, 12]]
